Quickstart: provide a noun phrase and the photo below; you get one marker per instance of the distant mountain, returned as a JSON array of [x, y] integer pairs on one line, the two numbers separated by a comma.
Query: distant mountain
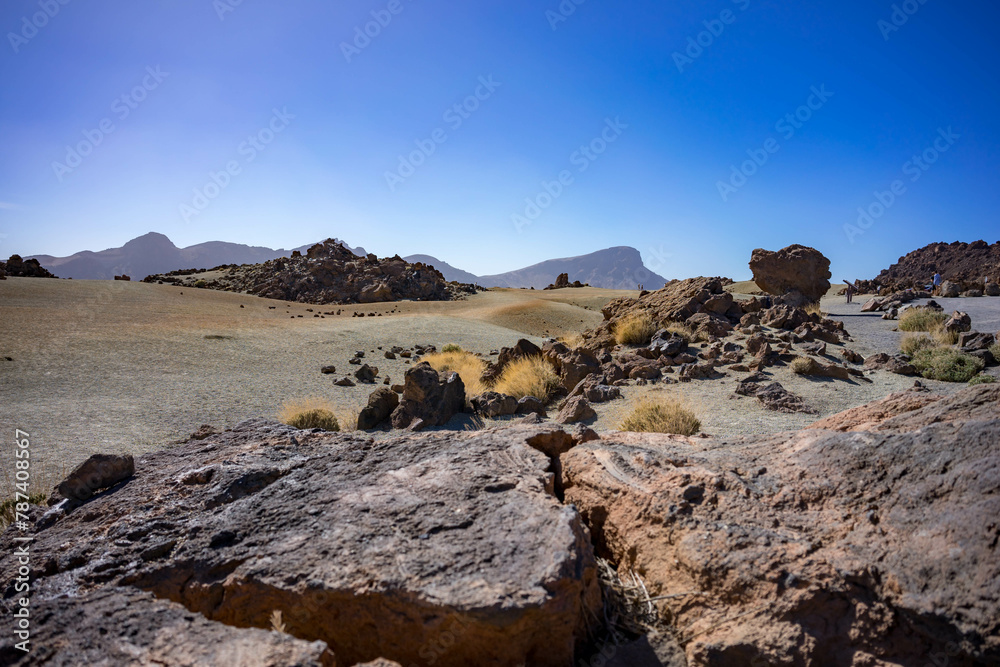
[[620, 267], [449, 272], [155, 253]]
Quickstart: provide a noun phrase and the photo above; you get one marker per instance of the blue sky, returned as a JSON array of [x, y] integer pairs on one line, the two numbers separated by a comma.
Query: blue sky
[[254, 123]]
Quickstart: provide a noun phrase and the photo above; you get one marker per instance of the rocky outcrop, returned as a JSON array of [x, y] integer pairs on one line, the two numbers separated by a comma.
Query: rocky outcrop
[[381, 403], [963, 264], [329, 273], [125, 626], [798, 274], [445, 549], [772, 395], [23, 268], [811, 547], [562, 282], [429, 399], [523, 349]]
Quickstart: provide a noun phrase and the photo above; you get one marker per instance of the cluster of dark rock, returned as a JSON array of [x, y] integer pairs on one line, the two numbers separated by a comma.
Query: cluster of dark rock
[[965, 266], [23, 268], [330, 273], [562, 282]]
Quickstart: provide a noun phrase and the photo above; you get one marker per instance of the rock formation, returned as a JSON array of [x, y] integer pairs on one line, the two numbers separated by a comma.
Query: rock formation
[[23, 268], [797, 273], [329, 273]]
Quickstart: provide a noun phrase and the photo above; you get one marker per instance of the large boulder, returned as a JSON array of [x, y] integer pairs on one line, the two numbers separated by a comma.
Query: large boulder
[[811, 547], [949, 290], [795, 269], [429, 397], [443, 548], [381, 403], [492, 404], [959, 322]]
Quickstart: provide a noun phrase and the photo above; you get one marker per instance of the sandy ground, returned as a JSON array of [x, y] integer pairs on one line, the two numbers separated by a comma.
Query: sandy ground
[[100, 366]]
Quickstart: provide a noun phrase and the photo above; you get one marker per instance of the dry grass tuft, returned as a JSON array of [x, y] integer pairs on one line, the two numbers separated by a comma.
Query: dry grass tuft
[[451, 347], [995, 350], [309, 412], [920, 319], [943, 336], [911, 344], [804, 366], [529, 376], [684, 331], [814, 309], [661, 417], [571, 341], [628, 608], [468, 366], [982, 379], [42, 480], [276, 623], [634, 329]]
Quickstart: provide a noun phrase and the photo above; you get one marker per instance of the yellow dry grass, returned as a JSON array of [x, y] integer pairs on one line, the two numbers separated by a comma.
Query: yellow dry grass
[[634, 329], [530, 376], [468, 366], [310, 412], [662, 416], [920, 319]]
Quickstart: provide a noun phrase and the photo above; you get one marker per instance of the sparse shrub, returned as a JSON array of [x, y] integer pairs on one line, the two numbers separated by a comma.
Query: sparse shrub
[[946, 364], [572, 341], [468, 366], [634, 329], [201, 284], [8, 507], [684, 331], [307, 413], [911, 344], [920, 319], [661, 417], [943, 336], [804, 366], [451, 347], [995, 350], [814, 309], [528, 376], [43, 479], [982, 379]]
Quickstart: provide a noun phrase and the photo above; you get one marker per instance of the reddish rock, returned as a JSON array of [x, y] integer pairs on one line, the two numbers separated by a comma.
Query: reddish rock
[[795, 269]]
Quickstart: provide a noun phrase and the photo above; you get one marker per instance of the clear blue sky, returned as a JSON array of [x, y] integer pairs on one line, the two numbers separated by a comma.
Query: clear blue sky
[[219, 72]]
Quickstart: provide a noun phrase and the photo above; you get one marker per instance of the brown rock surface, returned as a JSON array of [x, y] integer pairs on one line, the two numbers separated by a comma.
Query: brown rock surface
[[963, 263], [793, 269], [123, 626], [429, 396], [446, 544], [812, 547]]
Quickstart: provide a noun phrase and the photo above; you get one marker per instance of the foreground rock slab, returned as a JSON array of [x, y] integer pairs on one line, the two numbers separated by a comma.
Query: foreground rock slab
[[449, 545], [812, 547], [121, 626]]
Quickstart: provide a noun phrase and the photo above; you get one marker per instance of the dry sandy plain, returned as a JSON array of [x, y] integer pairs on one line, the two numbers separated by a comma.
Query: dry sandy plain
[[101, 366]]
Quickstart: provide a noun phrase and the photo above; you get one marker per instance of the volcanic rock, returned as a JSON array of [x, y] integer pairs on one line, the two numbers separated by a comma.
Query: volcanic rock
[[428, 396], [381, 403], [376, 549], [795, 269]]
